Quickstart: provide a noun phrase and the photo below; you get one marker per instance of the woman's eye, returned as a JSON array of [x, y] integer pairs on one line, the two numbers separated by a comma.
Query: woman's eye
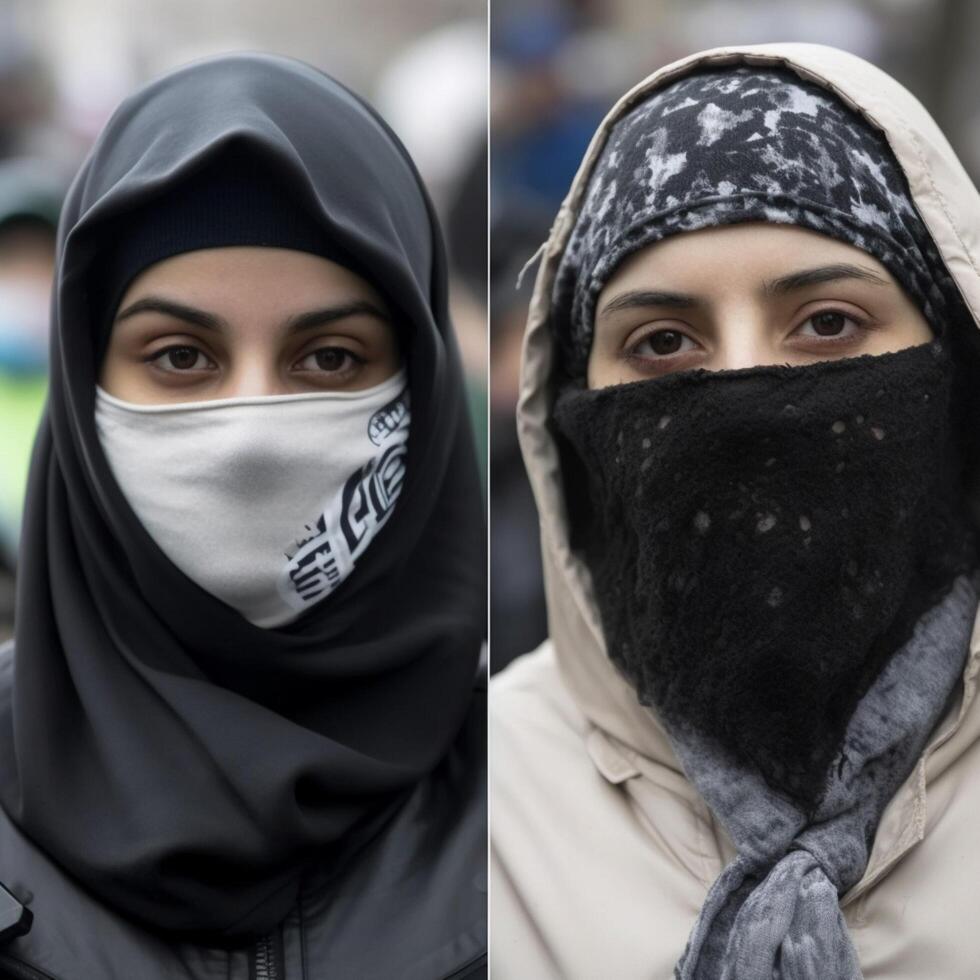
[[330, 359], [831, 323], [663, 343], [181, 358]]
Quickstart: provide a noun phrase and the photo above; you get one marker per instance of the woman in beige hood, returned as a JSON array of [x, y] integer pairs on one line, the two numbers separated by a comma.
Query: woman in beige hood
[[749, 749]]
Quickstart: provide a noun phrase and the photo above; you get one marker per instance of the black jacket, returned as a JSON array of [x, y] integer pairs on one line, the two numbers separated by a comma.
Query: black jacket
[[411, 904]]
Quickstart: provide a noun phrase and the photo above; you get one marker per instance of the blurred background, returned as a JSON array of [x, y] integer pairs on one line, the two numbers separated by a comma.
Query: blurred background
[[65, 65], [556, 68]]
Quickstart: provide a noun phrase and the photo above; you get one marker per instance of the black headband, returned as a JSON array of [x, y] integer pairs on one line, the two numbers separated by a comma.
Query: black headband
[[236, 199]]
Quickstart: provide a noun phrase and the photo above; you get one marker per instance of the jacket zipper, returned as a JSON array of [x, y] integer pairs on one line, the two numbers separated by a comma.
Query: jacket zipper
[[12, 968], [266, 958], [266, 964]]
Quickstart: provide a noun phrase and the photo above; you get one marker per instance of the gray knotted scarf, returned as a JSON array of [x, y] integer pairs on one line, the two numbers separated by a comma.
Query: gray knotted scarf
[[774, 912]]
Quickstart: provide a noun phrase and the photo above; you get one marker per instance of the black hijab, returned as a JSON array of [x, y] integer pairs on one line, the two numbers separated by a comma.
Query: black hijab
[[180, 762]]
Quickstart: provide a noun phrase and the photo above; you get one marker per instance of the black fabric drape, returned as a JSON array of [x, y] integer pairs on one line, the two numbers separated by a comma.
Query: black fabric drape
[[182, 763]]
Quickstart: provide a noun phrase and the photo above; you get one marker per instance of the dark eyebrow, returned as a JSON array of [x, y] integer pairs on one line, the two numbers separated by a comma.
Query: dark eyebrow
[[823, 273], [774, 287], [157, 304], [649, 297], [329, 314], [201, 318]]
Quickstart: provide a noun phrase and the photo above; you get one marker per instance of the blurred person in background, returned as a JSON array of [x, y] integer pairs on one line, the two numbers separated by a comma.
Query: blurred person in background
[[547, 96], [437, 85], [242, 721], [750, 747], [540, 121], [466, 217], [517, 611], [30, 199], [25, 90]]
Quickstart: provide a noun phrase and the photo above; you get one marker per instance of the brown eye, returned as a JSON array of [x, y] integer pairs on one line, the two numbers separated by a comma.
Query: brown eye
[[666, 341], [833, 325], [182, 358], [829, 324], [662, 343], [331, 358]]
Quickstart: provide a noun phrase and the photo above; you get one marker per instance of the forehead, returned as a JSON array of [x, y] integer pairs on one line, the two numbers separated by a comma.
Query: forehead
[[731, 256]]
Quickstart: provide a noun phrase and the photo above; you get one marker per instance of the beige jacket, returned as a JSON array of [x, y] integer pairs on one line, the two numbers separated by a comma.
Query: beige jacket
[[603, 852]]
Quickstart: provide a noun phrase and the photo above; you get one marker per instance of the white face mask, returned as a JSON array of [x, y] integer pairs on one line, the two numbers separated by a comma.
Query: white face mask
[[265, 502]]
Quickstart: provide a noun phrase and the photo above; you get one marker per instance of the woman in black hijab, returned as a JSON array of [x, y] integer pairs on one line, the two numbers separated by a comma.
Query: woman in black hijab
[[187, 788]]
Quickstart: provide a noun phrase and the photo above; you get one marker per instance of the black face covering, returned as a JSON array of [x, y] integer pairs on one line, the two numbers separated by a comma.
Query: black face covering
[[183, 764], [762, 540]]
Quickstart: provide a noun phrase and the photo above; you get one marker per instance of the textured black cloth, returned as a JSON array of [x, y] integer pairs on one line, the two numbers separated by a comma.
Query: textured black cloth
[[732, 145], [762, 540], [181, 763], [234, 199]]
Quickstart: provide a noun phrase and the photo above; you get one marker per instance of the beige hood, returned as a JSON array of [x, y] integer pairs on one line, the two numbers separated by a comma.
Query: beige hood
[[950, 206]]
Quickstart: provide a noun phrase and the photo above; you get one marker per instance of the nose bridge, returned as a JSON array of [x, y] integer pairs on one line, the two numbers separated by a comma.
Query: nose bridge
[[255, 369], [744, 337]]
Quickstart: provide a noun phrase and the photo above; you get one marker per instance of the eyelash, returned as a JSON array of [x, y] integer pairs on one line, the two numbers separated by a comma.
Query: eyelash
[[348, 354], [861, 324], [156, 356]]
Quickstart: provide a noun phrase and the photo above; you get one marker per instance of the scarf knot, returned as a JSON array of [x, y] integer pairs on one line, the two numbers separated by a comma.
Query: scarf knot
[[774, 912], [791, 926]]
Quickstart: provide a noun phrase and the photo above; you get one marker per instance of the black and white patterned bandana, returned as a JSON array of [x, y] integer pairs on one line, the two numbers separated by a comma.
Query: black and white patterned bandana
[[733, 145]]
